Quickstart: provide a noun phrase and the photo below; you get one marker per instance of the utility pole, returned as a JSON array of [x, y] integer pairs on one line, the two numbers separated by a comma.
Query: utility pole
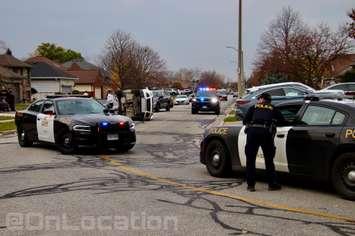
[[240, 71]]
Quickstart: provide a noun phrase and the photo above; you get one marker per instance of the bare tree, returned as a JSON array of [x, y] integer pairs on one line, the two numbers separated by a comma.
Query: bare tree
[[211, 79], [131, 65], [290, 50], [186, 77], [352, 24]]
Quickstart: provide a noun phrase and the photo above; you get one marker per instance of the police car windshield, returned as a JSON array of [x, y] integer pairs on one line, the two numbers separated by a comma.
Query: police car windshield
[[203, 93], [79, 106]]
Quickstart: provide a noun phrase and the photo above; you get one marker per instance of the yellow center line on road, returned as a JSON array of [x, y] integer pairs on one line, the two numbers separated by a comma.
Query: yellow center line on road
[[131, 170]]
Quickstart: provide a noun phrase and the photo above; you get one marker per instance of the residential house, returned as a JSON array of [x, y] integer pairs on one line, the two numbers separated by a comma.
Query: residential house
[[92, 79], [49, 78], [15, 76], [339, 67]]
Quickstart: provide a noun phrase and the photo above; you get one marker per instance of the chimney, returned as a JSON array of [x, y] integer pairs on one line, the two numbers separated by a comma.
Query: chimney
[[8, 52]]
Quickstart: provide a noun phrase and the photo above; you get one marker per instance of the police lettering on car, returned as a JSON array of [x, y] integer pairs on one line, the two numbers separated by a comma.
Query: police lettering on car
[[318, 142], [71, 122]]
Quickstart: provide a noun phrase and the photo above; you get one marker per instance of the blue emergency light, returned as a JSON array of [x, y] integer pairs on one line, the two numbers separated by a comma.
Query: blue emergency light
[[104, 124]]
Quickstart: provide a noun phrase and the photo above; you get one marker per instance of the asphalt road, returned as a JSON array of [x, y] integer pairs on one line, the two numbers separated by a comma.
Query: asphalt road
[[158, 188]]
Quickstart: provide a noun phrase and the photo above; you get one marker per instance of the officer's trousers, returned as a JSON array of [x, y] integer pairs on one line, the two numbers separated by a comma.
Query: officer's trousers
[[260, 137]]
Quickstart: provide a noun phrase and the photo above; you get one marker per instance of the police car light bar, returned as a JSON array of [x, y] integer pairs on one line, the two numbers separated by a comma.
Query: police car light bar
[[207, 89]]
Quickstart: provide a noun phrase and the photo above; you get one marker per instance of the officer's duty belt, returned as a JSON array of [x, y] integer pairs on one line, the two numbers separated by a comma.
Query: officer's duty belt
[[259, 126]]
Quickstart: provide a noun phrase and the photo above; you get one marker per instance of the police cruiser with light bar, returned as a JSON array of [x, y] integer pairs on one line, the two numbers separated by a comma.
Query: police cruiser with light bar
[[318, 142], [72, 122], [206, 100]]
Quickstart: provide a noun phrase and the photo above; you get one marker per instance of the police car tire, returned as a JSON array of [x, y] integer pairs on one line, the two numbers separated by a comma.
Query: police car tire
[[346, 160], [65, 148], [218, 112], [194, 111], [224, 167], [25, 141], [167, 108]]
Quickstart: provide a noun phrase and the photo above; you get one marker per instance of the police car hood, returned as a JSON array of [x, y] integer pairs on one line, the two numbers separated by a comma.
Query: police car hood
[[94, 119]]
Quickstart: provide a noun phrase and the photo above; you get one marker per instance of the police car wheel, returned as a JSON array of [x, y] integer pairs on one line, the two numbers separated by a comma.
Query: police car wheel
[[343, 175], [167, 108], [217, 161], [194, 111], [66, 144], [23, 139], [218, 112]]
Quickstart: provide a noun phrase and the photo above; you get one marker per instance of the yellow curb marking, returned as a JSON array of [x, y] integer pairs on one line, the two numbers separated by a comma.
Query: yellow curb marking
[[265, 204]]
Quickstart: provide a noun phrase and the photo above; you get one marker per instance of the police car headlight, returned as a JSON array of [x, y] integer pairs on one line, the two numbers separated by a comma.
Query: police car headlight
[[194, 100], [132, 127], [214, 100], [82, 128]]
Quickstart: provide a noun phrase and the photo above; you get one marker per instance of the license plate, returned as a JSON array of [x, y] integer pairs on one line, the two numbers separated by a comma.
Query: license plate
[[112, 137], [204, 107]]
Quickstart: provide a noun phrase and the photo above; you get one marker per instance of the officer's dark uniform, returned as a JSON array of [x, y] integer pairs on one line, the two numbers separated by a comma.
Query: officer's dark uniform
[[260, 122]]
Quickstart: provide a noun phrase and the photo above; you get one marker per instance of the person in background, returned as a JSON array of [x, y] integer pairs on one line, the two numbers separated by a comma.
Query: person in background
[[10, 98]]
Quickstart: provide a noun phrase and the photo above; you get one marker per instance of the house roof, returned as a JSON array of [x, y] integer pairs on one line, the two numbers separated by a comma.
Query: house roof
[[86, 76], [7, 60], [44, 68], [342, 63], [5, 73], [79, 64]]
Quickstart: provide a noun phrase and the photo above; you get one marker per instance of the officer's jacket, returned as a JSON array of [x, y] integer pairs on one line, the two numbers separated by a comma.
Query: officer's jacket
[[263, 114]]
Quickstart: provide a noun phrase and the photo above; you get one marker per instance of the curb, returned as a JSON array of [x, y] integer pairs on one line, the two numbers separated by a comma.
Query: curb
[[7, 132]]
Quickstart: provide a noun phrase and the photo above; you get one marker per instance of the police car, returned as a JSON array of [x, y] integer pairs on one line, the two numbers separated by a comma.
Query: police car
[[318, 142], [206, 100], [71, 122]]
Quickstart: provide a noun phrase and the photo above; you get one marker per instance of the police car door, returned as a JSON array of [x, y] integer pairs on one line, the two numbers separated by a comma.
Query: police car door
[[314, 140], [45, 122], [281, 138]]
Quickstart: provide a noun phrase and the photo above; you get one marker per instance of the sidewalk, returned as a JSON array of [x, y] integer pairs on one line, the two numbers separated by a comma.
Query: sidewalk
[[11, 113]]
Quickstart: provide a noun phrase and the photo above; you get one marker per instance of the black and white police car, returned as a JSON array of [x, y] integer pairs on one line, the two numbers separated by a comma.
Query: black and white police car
[[318, 143], [71, 122]]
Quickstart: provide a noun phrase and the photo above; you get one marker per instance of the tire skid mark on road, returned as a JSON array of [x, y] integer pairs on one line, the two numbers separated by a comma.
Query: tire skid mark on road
[[265, 204]]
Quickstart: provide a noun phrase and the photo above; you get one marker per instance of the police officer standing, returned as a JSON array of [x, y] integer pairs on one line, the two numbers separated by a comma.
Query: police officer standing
[[260, 122]]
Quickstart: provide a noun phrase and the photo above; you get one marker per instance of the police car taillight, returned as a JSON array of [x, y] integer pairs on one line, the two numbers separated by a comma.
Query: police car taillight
[[122, 124], [18, 114]]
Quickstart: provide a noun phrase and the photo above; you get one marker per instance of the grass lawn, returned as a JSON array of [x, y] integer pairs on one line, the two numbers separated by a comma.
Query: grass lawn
[[231, 117], [7, 126], [21, 106], [6, 118]]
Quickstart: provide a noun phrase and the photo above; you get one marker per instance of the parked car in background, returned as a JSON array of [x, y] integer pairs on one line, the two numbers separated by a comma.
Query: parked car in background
[[348, 88], [182, 100], [161, 100], [281, 92]]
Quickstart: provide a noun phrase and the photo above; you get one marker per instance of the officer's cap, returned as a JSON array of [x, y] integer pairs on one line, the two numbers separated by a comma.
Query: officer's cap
[[265, 96]]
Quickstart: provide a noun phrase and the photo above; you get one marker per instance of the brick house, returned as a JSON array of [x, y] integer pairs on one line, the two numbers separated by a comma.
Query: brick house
[[92, 79], [15, 76]]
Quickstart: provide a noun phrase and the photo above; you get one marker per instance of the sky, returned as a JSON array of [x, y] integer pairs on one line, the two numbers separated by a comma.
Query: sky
[[186, 33]]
